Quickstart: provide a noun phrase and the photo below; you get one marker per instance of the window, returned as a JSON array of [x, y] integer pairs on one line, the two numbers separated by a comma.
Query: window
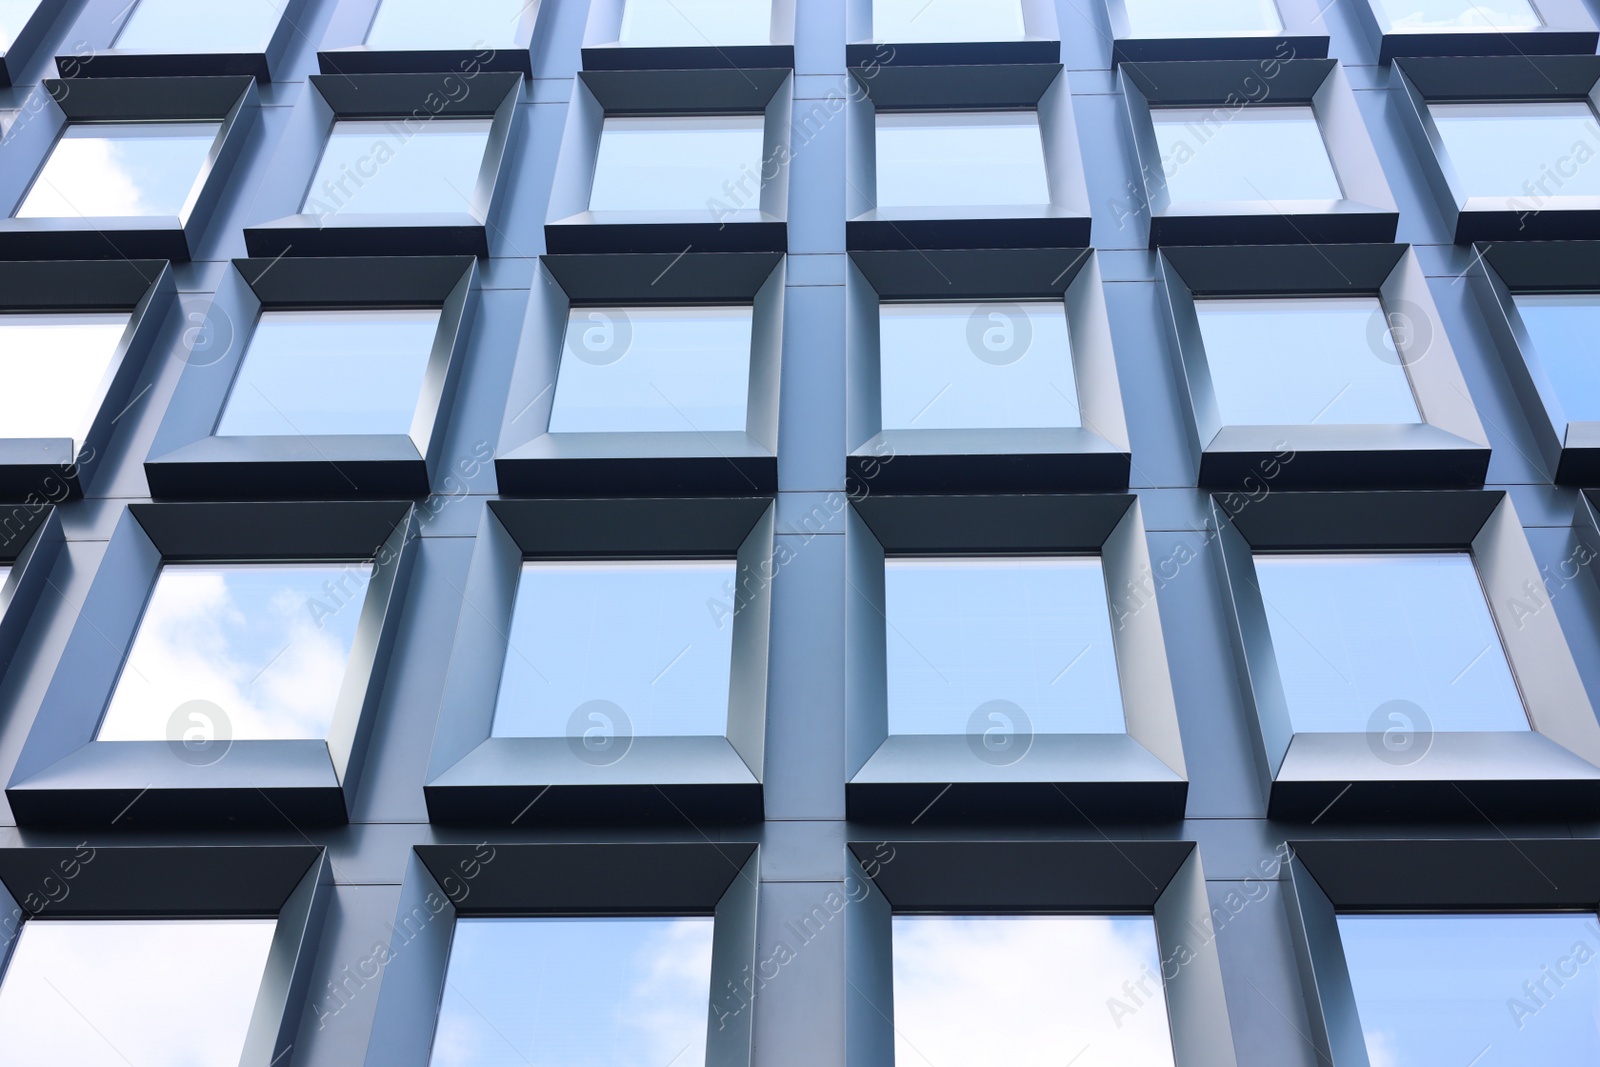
[[678, 163], [958, 159], [1260, 153], [1051, 978], [265, 644], [1329, 361], [916, 21], [1434, 16], [377, 168], [684, 369], [696, 23], [633, 645], [1562, 327], [106, 993], [1504, 989], [14, 14], [959, 366], [114, 170], [1202, 18], [54, 366], [970, 636], [1535, 152], [421, 24], [331, 372], [1353, 634], [172, 26], [526, 989]]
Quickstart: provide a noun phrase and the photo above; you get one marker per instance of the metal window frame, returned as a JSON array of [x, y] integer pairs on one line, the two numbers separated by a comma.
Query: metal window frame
[[474, 776], [30, 35], [1416, 83], [1163, 879], [397, 98], [1463, 875], [232, 101], [1042, 43], [603, 51], [570, 227], [65, 777], [51, 467], [30, 544], [1449, 448], [344, 49], [187, 461], [1139, 774], [95, 56], [1038, 88], [532, 461], [1551, 770], [290, 884], [1568, 28], [1299, 38], [1095, 456], [1367, 213]]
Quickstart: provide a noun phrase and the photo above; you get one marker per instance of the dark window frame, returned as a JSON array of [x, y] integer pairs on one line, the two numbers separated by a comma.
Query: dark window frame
[[1042, 43], [30, 543], [1300, 37], [100, 21], [1568, 28], [30, 35], [602, 50], [344, 49]]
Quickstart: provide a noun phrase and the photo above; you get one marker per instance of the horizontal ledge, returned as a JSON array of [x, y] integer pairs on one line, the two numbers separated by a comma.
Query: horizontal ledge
[[583, 233], [374, 235], [359, 59]]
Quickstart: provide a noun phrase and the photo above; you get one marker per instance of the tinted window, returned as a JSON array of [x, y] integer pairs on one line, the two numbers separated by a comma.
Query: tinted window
[[960, 159], [970, 639], [619, 992], [1504, 990], [53, 367], [112, 170], [911, 21], [1359, 638], [630, 370], [1431, 16], [1534, 152], [1562, 327], [976, 366], [464, 24], [247, 651], [1328, 361], [14, 15], [602, 650], [1263, 153], [696, 23], [679, 163], [372, 168], [331, 372], [199, 26], [1029, 991], [107, 993], [1201, 18]]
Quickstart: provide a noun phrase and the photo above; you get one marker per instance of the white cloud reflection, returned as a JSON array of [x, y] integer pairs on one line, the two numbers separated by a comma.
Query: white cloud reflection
[[118, 170]]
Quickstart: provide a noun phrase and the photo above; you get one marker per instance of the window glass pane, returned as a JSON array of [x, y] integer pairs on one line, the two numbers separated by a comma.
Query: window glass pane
[[1354, 633], [1431, 16], [53, 367], [331, 372], [1201, 18], [975, 366], [640, 647], [264, 645], [960, 159], [619, 992], [1535, 152], [13, 16], [1491, 990], [679, 163], [1028, 991], [1563, 327], [1310, 360], [972, 638], [113, 170], [406, 24], [371, 168], [1261, 153], [172, 26], [913, 21], [696, 23], [107, 993], [633, 370]]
